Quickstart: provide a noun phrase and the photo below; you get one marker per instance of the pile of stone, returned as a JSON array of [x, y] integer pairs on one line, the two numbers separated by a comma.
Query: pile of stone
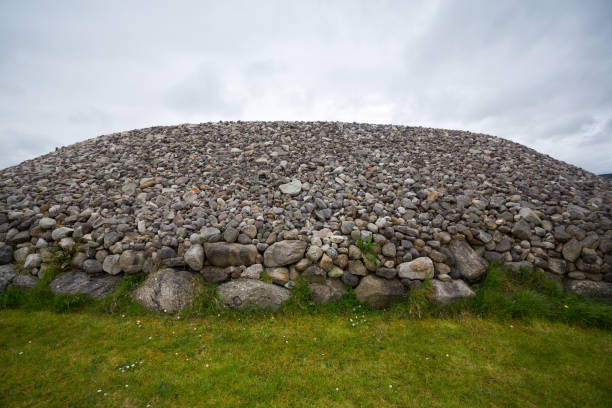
[[247, 203]]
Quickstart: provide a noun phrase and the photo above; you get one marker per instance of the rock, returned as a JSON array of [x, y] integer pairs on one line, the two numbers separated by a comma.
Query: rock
[[389, 250], [293, 188], [279, 275], [111, 237], [572, 250], [74, 283], [23, 282], [331, 291], [596, 290], [335, 272], [61, 232], [253, 272], [46, 223], [421, 268], [32, 261], [230, 234], [467, 261], [194, 257], [450, 291], [349, 279], [92, 266], [6, 254], [356, 267], [315, 274], [215, 274], [19, 238], [557, 266], [131, 261], [378, 292], [522, 230], [22, 253], [284, 253], [346, 227], [168, 290], [7, 273], [208, 233], [314, 253], [226, 254], [530, 216], [244, 294], [111, 264]]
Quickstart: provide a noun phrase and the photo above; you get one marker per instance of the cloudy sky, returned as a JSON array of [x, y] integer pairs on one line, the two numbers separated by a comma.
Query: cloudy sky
[[536, 72]]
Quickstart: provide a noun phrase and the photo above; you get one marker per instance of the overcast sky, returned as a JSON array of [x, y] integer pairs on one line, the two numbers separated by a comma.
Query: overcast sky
[[536, 72]]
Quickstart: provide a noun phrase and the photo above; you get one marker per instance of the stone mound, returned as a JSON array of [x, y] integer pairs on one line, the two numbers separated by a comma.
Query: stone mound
[[276, 200]]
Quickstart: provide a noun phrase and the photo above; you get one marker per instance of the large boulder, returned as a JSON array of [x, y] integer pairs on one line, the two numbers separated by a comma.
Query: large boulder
[[331, 291], [378, 292], [74, 283], [252, 294], [450, 291], [421, 268], [284, 253], [471, 265], [594, 289], [168, 290], [228, 254]]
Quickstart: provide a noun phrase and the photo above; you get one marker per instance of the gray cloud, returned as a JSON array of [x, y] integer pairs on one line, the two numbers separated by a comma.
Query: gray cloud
[[538, 73]]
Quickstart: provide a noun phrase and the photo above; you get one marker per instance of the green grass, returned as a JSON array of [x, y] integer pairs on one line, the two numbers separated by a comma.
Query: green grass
[[319, 360], [521, 341]]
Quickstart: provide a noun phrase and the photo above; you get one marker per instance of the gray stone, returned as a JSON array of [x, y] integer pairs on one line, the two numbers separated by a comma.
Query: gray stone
[[314, 253], [467, 261], [131, 261], [253, 272], [7, 273], [230, 234], [228, 254], [61, 232], [6, 254], [32, 261], [244, 294], [346, 227], [529, 215], [522, 230], [421, 268], [94, 286], [92, 266], [215, 274], [596, 290], [19, 238], [46, 223], [208, 233], [314, 274], [350, 279], [389, 250], [572, 249], [111, 264], [378, 292], [284, 253], [21, 281], [168, 290], [293, 188], [331, 291], [194, 257], [557, 265], [450, 291]]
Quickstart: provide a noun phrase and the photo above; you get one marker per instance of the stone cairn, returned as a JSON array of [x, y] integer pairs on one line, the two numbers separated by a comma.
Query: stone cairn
[[246, 203]]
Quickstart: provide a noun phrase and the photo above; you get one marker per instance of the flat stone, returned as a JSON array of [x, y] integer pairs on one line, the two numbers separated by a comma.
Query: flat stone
[[293, 188], [284, 253], [450, 291], [593, 289], [228, 254], [378, 292], [94, 286], [168, 290], [471, 266], [244, 294]]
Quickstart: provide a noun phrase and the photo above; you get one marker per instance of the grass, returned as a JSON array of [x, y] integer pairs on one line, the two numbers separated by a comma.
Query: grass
[[319, 360], [521, 341]]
